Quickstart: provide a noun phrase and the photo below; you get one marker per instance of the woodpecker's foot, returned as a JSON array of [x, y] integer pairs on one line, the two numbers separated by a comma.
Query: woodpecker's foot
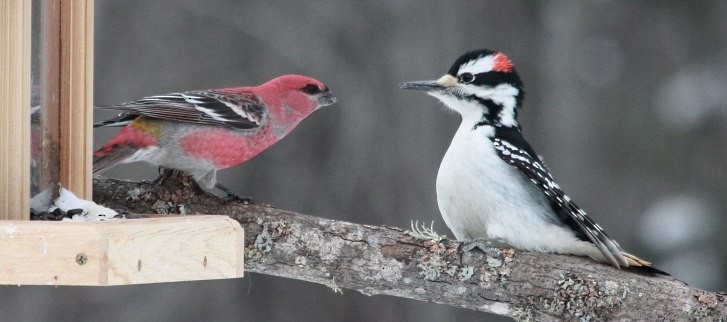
[[491, 248], [233, 196], [488, 246]]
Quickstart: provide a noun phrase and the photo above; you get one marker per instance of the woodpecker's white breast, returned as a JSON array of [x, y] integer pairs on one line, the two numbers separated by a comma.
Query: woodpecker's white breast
[[481, 196]]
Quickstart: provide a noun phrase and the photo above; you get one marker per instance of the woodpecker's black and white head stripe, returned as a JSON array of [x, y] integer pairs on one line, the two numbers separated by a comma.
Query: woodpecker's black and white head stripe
[[489, 78], [200, 107], [482, 83]]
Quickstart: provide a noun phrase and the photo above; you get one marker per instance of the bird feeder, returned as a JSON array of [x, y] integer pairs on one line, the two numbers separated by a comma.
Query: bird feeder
[[46, 106]]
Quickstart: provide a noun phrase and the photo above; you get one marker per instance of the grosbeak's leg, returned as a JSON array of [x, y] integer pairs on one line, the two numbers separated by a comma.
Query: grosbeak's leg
[[232, 195]]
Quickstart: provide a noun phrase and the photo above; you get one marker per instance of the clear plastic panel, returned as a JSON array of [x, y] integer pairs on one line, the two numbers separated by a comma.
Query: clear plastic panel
[[45, 103]]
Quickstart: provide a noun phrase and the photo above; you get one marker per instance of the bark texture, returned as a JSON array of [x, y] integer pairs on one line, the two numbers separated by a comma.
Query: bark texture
[[385, 260]]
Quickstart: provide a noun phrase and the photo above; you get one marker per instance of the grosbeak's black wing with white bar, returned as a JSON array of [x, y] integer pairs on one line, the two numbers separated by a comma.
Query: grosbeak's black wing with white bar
[[239, 111], [522, 157]]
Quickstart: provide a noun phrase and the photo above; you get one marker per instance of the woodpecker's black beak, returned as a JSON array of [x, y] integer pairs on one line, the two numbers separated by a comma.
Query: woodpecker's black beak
[[426, 86], [443, 83]]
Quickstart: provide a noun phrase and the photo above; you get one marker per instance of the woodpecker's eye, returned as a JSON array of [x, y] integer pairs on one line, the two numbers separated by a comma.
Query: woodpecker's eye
[[466, 78], [311, 89]]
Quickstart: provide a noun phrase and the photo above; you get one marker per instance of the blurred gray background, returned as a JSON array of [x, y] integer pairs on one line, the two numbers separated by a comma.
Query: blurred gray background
[[627, 102]]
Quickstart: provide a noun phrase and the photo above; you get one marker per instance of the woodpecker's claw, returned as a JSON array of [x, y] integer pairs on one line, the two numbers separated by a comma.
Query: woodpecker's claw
[[491, 248], [488, 246]]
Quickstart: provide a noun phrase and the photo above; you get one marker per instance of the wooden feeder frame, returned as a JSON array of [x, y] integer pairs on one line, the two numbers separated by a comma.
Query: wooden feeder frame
[[73, 253]]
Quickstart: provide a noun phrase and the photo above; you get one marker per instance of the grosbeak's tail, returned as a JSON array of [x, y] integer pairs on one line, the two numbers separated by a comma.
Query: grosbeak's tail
[[109, 156], [130, 143]]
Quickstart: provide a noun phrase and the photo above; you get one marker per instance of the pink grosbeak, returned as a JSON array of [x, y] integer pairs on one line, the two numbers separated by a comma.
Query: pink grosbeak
[[200, 132]]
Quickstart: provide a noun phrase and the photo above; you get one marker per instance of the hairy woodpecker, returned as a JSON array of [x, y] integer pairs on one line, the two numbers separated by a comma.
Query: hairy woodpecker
[[491, 185]]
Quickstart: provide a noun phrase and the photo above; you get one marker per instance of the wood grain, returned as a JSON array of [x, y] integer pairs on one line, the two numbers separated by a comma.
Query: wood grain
[[15, 35], [120, 252], [76, 95]]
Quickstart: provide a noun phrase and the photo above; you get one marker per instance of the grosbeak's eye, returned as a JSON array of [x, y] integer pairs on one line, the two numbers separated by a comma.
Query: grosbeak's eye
[[311, 89]]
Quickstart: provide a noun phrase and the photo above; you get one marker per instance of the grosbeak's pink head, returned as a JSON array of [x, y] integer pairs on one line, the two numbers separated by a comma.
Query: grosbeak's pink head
[[295, 94]]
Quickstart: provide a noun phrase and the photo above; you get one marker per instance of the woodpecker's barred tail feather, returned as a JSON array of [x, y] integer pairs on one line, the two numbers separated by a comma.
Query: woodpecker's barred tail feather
[[492, 184]]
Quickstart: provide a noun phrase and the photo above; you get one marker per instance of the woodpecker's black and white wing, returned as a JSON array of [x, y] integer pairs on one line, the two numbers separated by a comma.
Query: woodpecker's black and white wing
[[213, 107], [514, 150]]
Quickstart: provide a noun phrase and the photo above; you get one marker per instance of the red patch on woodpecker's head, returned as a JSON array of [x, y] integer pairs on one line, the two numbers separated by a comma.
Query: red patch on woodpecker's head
[[502, 63]]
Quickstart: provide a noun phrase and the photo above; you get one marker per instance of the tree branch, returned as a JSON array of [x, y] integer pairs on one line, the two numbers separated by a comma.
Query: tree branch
[[385, 260]]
